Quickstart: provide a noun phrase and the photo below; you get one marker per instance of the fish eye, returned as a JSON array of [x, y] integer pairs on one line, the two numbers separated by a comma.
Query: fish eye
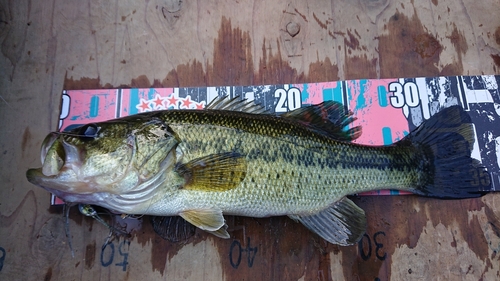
[[88, 132]]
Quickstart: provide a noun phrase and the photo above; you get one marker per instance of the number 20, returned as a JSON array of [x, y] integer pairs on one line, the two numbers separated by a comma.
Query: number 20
[[288, 99]]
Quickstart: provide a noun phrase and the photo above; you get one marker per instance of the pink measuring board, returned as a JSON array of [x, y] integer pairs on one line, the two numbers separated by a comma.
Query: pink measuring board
[[387, 109]]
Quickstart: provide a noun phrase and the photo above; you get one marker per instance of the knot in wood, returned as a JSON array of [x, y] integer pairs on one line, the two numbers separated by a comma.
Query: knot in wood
[[173, 6], [293, 28]]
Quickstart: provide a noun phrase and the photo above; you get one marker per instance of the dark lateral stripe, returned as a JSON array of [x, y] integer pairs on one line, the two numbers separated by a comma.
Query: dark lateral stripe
[[381, 158]]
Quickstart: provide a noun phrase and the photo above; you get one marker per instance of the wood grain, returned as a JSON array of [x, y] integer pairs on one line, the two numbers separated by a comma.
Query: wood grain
[[50, 45]]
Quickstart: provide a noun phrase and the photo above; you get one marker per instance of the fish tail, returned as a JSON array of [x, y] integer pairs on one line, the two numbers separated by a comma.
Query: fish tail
[[449, 172]]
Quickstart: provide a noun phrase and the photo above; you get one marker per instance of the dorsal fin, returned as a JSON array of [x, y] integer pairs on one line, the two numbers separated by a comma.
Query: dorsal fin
[[328, 118], [236, 104]]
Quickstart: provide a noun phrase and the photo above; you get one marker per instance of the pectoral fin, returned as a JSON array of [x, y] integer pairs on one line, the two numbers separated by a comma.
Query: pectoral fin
[[206, 219], [344, 223], [215, 172]]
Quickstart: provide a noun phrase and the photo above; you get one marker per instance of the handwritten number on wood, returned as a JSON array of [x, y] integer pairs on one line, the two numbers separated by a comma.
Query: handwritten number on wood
[[367, 253], [235, 259], [365, 256], [2, 257], [379, 246], [109, 261], [110, 257], [251, 252], [124, 263], [237, 244]]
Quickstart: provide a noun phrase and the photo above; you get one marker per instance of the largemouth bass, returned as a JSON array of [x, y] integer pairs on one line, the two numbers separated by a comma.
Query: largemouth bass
[[233, 159]]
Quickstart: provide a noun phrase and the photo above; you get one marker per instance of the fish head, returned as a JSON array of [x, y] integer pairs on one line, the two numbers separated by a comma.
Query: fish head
[[91, 162]]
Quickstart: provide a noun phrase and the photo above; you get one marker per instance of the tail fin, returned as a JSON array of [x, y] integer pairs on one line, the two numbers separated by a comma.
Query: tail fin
[[447, 139]]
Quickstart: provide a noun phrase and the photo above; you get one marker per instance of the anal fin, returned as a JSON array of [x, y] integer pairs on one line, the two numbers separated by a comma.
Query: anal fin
[[343, 223], [205, 219], [221, 232]]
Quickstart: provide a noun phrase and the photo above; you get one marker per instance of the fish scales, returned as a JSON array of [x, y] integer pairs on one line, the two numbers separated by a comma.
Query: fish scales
[[290, 168]]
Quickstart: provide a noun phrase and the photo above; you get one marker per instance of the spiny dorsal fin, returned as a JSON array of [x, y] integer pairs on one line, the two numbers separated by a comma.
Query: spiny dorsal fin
[[344, 223], [328, 118], [215, 172], [206, 219], [236, 104]]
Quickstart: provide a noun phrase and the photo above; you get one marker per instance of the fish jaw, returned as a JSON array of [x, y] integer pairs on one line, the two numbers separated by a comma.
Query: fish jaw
[[62, 189], [67, 167], [79, 192]]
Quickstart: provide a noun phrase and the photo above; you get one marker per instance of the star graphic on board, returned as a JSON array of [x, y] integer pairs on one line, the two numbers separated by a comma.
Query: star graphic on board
[[173, 100], [200, 105], [143, 106], [158, 101], [187, 102]]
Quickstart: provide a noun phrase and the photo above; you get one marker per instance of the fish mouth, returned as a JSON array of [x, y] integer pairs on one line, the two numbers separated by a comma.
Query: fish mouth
[[33, 174], [52, 155], [46, 145], [56, 187], [56, 155], [38, 178], [59, 162]]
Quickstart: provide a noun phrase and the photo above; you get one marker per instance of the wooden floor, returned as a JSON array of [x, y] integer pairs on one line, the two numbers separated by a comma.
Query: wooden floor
[[47, 46]]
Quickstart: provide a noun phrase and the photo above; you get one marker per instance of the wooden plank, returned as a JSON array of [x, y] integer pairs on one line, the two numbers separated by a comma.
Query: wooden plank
[[54, 44]]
